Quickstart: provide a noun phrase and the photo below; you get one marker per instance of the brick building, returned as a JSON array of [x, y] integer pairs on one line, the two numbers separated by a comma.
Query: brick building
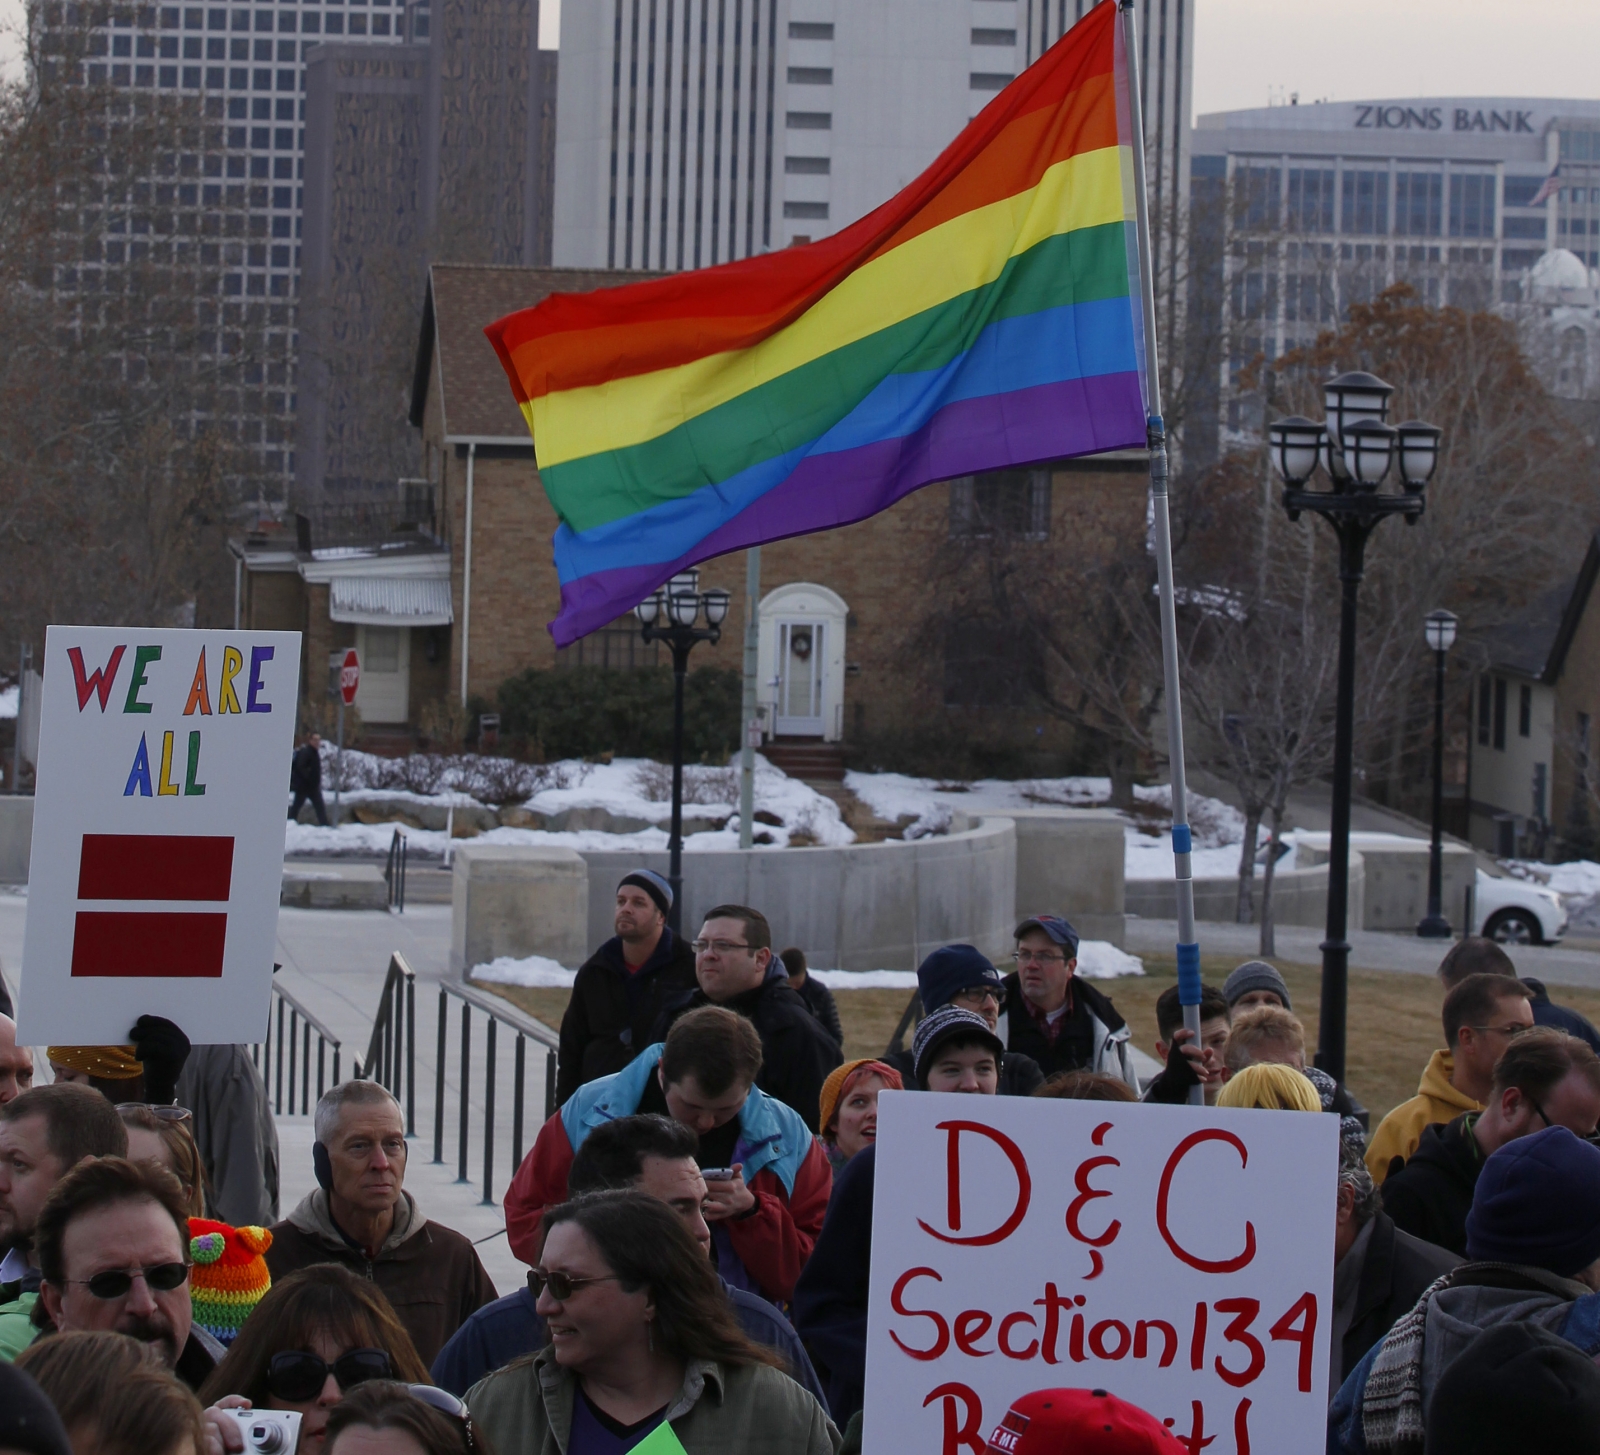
[[847, 649]]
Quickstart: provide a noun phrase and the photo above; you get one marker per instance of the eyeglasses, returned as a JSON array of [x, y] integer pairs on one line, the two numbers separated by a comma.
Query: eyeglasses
[[447, 1404], [1507, 1031], [163, 1113], [298, 1375], [561, 1285], [722, 947], [116, 1282], [977, 992], [1042, 957]]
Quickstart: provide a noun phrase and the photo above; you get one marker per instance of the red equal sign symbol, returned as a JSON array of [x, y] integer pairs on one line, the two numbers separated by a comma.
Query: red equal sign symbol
[[152, 944]]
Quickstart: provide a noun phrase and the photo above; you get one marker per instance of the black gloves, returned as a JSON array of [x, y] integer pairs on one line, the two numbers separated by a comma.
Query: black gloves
[[163, 1048]]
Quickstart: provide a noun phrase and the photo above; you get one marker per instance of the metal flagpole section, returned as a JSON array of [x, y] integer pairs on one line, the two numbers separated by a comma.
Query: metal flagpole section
[[752, 640], [1188, 947]]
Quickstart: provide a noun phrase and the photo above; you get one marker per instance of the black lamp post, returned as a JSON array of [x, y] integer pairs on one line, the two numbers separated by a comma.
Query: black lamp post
[[670, 615], [1439, 627], [1356, 448]]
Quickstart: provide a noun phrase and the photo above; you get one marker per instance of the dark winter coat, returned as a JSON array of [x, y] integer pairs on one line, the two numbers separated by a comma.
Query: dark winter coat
[[305, 770], [611, 1012], [235, 1133], [796, 1053], [428, 1272], [1019, 1075], [1562, 1017], [1395, 1270], [820, 1002], [830, 1300], [1094, 1038], [1431, 1195]]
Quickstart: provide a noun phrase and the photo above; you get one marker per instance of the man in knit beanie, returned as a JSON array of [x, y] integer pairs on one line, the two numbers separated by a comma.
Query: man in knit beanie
[[1533, 1249], [1255, 983]]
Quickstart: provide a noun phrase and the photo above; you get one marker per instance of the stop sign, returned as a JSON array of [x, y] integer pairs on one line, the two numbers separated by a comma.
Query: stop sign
[[350, 676]]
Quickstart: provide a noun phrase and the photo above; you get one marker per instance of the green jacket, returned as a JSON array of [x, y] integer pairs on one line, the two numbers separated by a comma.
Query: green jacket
[[17, 1329], [526, 1409]]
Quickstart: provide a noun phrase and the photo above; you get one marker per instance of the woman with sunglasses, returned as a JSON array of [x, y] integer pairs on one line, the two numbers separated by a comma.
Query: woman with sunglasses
[[641, 1335], [165, 1135], [315, 1336]]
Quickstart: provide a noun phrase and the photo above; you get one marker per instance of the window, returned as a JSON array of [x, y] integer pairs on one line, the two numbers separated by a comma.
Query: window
[[810, 30], [618, 646], [1366, 202], [810, 75], [808, 121], [1520, 191], [993, 37], [989, 80], [1418, 203], [1471, 205], [1483, 712], [1500, 713], [1581, 751], [1311, 199], [817, 210], [987, 665], [1523, 227], [1524, 711], [1004, 502], [1259, 189], [807, 166], [1541, 786]]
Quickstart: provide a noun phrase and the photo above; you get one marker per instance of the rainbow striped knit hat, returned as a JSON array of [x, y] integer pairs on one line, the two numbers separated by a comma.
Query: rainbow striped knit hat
[[228, 1276]]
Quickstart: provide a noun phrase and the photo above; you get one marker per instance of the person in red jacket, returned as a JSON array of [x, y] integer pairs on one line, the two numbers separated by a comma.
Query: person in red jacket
[[765, 1214]]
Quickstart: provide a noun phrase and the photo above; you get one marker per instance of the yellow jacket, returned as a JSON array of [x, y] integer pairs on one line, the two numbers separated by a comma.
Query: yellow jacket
[[1436, 1101]]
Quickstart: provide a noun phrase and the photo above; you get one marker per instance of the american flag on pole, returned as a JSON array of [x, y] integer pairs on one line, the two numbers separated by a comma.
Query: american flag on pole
[[1552, 185]]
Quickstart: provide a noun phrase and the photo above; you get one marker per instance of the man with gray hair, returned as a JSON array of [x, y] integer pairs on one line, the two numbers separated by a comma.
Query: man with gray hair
[[361, 1216], [1379, 1272]]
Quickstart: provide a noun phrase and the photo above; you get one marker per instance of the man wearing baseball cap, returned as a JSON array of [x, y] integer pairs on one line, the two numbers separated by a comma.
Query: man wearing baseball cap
[[1079, 1422], [1062, 1022], [959, 975], [621, 989], [956, 1051]]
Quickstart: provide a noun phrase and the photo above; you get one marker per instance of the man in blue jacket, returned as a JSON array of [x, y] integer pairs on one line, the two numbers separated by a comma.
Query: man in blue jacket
[[654, 1155]]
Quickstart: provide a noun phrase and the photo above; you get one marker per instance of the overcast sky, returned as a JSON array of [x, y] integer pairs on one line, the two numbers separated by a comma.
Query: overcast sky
[[1250, 52]]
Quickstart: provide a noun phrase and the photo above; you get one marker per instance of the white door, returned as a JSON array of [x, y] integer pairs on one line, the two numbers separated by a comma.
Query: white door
[[385, 691], [800, 662]]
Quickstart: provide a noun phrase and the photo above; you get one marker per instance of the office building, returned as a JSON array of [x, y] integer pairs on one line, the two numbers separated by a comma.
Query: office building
[[692, 132]]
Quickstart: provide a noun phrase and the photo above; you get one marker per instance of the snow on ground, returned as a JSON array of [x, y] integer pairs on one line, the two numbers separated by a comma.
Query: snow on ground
[[1097, 960], [1577, 880], [9, 698]]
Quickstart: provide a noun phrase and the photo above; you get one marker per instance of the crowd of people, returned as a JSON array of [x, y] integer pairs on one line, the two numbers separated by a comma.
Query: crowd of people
[[696, 1218]]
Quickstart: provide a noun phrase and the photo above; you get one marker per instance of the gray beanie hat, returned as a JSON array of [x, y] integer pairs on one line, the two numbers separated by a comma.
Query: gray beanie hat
[[1254, 975]]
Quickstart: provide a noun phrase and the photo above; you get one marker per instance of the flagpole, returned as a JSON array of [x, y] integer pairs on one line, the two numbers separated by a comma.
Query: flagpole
[[1188, 947]]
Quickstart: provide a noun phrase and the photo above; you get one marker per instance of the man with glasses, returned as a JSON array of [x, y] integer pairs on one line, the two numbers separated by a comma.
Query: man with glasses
[[1544, 1078], [1480, 1016], [113, 1243], [959, 975], [1062, 1022], [735, 967], [44, 1134]]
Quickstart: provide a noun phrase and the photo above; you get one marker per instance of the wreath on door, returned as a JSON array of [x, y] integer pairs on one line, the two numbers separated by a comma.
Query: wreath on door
[[800, 644]]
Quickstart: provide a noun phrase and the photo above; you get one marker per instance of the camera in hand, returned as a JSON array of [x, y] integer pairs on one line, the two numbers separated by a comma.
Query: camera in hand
[[275, 1431]]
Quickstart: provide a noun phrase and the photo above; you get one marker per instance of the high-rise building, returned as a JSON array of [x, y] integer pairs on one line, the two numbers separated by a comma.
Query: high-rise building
[[692, 132]]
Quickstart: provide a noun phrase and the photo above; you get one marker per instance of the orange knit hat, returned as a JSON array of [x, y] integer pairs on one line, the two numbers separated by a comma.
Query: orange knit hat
[[840, 1080], [228, 1276]]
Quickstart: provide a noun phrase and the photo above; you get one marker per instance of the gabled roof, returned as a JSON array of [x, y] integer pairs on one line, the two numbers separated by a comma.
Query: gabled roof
[[1535, 644], [462, 300]]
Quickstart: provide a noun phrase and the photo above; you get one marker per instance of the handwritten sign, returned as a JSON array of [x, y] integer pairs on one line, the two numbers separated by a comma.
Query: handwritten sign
[[158, 832], [1180, 1258]]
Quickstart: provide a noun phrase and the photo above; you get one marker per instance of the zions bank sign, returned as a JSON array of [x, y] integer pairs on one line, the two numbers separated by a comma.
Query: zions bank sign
[[1442, 118]]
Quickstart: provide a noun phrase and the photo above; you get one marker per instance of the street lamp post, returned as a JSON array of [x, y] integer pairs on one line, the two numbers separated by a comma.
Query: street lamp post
[[1356, 448], [670, 615], [1439, 628]]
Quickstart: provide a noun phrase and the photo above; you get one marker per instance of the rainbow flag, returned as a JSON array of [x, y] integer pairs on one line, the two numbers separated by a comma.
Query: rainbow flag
[[988, 316]]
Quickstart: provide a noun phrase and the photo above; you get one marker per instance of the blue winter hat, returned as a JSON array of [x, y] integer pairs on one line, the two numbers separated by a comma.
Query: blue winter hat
[[653, 884], [947, 972], [949, 1023], [1538, 1202]]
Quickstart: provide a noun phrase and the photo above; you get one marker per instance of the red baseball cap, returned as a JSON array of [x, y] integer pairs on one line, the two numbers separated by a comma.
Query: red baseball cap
[[1079, 1422]]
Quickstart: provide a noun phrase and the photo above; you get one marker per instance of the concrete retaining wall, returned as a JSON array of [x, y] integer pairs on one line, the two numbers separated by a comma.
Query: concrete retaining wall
[[1299, 897], [1397, 877], [1070, 862], [859, 907], [16, 837], [518, 902]]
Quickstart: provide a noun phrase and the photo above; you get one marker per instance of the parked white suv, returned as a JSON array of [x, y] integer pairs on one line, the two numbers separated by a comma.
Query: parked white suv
[[1515, 912]]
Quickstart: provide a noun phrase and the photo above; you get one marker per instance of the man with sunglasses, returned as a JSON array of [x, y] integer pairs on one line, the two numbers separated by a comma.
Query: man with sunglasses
[[1544, 1078], [735, 967], [959, 975], [44, 1133], [1051, 1015], [113, 1245]]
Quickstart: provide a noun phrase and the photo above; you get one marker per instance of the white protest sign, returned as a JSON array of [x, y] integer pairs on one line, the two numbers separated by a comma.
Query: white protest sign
[[158, 831], [1180, 1258]]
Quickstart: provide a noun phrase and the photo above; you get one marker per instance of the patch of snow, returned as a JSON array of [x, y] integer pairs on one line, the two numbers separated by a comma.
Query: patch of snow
[[1101, 960], [9, 699], [1579, 879], [534, 973]]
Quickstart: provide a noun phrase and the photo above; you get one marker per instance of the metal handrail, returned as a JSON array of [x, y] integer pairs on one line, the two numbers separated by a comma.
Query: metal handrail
[[394, 872], [527, 1029], [300, 1025], [391, 1058]]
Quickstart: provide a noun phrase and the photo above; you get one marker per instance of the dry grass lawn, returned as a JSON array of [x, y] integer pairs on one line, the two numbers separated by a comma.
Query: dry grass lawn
[[1393, 1018]]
